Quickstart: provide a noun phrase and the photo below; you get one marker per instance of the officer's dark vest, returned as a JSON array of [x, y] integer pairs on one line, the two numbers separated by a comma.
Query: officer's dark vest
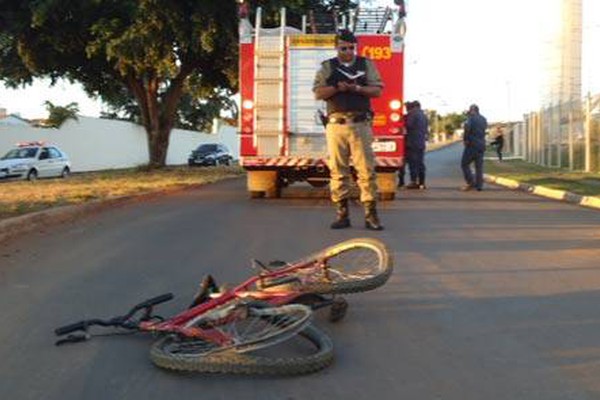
[[347, 101]]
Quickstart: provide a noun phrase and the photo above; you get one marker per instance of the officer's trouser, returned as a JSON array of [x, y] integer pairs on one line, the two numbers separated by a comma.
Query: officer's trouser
[[472, 155], [347, 142], [416, 164]]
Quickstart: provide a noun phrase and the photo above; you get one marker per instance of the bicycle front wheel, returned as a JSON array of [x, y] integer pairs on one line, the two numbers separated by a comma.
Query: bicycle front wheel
[[182, 354], [356, 265]]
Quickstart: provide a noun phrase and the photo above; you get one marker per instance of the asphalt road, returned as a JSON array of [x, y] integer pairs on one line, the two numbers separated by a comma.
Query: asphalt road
[[495, 295]]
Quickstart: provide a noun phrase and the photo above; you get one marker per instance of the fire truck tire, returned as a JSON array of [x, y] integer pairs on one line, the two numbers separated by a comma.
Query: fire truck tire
[[387, 196], [265, 182], [318, 183], [352, 266], [232, 362], [386, 183], [274, 192], [257, 194]]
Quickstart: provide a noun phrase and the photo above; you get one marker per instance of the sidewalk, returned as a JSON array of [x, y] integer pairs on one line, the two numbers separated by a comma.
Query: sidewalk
[[562, 195]]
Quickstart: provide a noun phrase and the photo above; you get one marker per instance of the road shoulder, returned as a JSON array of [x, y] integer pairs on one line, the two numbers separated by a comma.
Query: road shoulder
[[561, 195]]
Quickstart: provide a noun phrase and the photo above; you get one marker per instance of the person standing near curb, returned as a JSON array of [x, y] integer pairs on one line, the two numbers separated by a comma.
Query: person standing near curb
[[347, 83], [499, 143], [402, 169], [474, 142], [417, 132]]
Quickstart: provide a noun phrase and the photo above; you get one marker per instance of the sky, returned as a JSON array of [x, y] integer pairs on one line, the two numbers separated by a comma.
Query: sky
[[489, 52], [458, 52]]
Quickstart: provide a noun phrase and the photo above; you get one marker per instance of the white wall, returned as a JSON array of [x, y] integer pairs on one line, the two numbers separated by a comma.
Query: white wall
[[11, 120], [95, 144]]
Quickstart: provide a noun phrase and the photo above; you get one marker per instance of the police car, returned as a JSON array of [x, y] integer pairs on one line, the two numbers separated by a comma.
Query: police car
[[32, 160]]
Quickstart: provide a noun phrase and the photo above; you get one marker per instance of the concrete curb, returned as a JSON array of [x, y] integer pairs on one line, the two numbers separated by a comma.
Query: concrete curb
[[562, 195]]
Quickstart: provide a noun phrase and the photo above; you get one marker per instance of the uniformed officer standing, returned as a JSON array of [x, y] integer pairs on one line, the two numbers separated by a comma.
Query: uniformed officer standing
[[347, 83], [417, 133], [474, 142]]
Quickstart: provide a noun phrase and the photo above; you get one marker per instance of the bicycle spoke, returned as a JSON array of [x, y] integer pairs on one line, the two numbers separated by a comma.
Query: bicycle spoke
[[248, 326], [355, 265]]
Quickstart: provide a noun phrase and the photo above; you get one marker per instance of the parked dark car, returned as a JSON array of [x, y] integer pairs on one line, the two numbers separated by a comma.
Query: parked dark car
[[210, 154]]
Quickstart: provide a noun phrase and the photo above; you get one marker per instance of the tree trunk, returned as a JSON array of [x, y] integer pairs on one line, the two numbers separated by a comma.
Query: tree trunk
[[158, 116], [158, 144]]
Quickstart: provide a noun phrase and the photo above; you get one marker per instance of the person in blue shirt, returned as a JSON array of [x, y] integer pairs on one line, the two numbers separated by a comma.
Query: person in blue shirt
[[402, 169], [474, 147], [417, 133]]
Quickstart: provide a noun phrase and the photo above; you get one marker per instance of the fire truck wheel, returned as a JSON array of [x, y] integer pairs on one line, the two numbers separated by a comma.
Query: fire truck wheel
[[318, 182], [387, 196], [274, 193]]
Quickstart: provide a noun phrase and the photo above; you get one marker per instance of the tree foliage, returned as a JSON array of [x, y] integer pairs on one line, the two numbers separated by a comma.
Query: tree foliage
[[57, 115], [295, 9], [445, 123], [130, 53], [453, 121], [162, 63]]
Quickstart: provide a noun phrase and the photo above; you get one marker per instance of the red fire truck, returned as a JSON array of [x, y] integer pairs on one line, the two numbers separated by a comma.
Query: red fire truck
[[280, 129]]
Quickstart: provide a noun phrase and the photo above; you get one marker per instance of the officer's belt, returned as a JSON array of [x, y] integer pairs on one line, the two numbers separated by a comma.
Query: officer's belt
[[347, 118]]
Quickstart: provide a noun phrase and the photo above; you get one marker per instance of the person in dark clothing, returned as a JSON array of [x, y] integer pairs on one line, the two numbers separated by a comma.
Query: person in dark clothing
[[402, 170], [417, 132], [474, 148], [402, 173], [499, 143]]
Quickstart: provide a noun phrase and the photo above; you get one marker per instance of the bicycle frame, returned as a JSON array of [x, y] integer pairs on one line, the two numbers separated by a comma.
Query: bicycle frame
[[248, 289], [271, 307]]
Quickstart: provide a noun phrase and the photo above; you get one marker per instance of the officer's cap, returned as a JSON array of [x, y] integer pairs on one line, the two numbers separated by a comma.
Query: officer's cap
[[346, 36]]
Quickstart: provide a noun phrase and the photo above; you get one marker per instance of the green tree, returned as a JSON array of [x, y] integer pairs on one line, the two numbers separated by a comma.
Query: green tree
[[453, 121], [147, 53], [57, 115], [162, 63], [295, 9]]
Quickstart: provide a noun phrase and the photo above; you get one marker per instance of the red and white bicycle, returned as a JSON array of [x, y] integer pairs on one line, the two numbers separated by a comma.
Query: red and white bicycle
[[237, 330]]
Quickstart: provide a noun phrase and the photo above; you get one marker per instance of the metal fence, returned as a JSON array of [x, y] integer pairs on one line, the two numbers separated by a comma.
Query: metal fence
[[566, 135]]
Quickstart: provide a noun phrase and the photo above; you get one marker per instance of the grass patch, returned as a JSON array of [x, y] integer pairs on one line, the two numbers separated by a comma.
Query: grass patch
[[21, 197], [586, 184]]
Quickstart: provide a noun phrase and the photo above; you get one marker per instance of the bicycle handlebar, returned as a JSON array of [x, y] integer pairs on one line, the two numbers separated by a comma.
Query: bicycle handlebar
[[154, 301], [77, 326], [118, 321], [82, 325]]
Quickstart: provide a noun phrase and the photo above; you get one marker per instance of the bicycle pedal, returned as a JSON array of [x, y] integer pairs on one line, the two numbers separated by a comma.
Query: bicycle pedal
[[256, 264], [208, 287], [338, 309]]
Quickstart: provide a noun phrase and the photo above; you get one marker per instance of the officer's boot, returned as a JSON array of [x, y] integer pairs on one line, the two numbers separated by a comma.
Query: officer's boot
[[342, 219], [371, 218]]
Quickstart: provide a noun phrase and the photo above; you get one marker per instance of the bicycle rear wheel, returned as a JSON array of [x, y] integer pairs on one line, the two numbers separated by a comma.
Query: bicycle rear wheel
[[181, 354], [248, 326], [356, 265]]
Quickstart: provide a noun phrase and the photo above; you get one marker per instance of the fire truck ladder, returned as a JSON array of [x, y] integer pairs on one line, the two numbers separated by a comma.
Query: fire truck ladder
[[269, 87], [371, 20]]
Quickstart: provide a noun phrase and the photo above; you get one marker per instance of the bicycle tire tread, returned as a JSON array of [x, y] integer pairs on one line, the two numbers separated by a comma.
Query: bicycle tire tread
[[362, 285], [231, 362]]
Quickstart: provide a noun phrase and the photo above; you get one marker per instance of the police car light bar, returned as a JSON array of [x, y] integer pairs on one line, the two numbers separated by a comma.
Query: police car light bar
[[34, 143]]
